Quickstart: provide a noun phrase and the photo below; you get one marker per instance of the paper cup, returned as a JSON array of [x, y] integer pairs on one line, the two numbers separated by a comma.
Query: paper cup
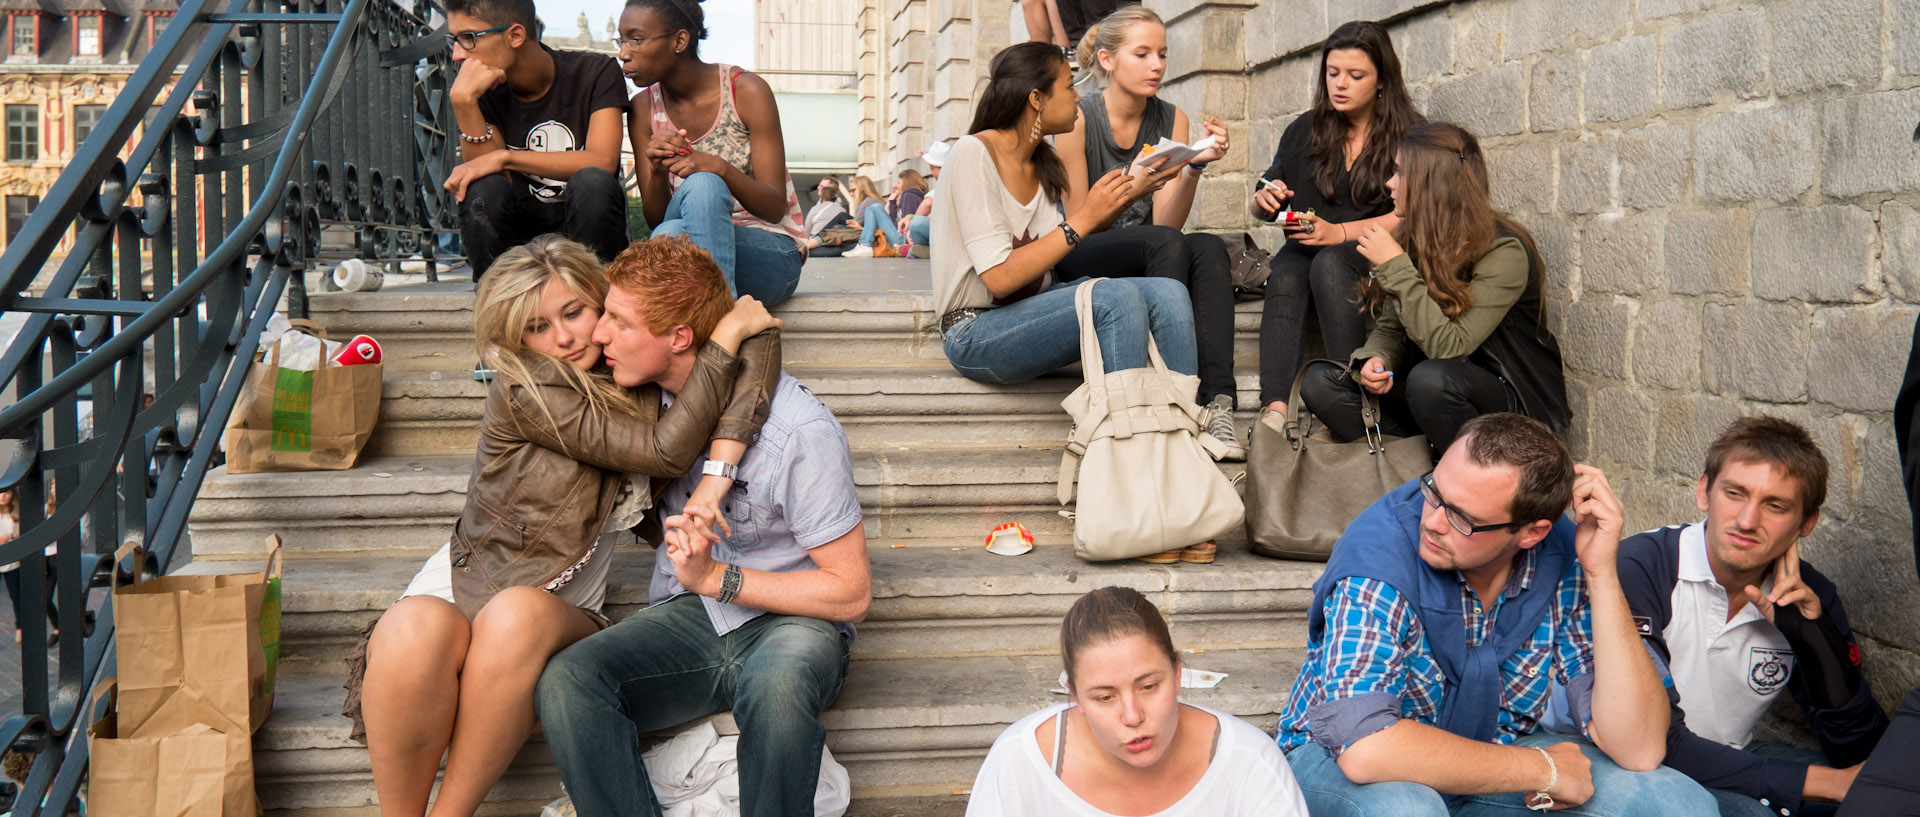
[[355, 275], [1010, 539]]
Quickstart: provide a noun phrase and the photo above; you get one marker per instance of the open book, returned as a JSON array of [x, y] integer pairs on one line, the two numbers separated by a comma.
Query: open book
[[1176, 153]]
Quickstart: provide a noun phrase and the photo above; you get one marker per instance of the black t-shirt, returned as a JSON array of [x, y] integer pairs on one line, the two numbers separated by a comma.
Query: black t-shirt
[[583, 83], [1293, 165], [1077, 15]]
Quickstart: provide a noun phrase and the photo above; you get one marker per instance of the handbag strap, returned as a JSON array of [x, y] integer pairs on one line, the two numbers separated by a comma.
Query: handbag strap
[[1092, 364], [1101, 401], [1300, 421]]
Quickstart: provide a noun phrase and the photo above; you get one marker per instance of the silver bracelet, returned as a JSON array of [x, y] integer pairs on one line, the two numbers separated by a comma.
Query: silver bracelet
[[478, 140], [1541, 799]]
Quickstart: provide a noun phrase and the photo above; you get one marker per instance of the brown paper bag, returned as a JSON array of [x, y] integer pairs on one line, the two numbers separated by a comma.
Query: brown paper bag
[[296, 420], [195, 772], [191, 650]]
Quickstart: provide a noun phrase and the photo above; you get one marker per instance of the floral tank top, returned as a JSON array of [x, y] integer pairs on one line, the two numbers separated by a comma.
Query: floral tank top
[[728, 140]]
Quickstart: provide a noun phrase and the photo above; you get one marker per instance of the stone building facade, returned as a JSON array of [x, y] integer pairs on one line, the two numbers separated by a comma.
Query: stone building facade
[[1727, 193], [65, 61]]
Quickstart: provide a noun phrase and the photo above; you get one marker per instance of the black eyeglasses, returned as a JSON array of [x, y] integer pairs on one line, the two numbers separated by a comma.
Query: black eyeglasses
[[623, 43], [469, 39], [1454, 517]]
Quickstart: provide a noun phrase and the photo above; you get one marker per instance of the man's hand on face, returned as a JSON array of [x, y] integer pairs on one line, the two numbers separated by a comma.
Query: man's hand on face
[[1599, 518], [689, 540], [1788, 588], [475, 78]]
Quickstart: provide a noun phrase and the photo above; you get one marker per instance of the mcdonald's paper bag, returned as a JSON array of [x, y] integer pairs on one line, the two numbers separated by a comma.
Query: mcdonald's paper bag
[[194, 650], [291, 419], [198, 771]]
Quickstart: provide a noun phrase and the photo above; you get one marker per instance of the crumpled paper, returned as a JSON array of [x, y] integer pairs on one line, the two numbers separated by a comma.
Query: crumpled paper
[[1190, 678]]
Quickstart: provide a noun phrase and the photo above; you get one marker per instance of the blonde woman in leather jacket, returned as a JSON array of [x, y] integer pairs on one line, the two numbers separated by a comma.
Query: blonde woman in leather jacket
[[563, 463]]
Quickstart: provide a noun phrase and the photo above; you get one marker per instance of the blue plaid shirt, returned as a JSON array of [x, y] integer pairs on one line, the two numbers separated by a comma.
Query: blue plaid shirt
[[1372, 665]]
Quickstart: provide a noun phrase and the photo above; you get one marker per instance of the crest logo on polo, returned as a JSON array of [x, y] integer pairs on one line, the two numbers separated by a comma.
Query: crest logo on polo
[[1768, 668], [549, 136]]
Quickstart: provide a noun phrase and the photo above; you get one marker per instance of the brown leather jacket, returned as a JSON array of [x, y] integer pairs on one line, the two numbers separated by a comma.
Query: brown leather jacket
[[540, 494]]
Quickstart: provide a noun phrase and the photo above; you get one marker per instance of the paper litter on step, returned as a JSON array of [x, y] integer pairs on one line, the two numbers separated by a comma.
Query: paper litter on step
[[1190, 678]]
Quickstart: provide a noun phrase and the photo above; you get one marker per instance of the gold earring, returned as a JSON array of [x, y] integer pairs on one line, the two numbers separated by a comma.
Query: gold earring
[[1036, 126]]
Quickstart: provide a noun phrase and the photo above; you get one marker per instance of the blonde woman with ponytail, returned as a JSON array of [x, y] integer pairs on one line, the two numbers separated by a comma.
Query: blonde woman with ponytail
[[1127, 52], [563, 464]]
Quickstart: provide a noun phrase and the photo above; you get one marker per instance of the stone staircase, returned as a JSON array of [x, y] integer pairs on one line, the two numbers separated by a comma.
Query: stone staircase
[[959, 642]]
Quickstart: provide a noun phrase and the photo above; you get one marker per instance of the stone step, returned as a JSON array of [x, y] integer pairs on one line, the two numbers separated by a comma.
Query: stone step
[[428, 327], [408, 504], [933, 599], [923, 723], [436, 413]]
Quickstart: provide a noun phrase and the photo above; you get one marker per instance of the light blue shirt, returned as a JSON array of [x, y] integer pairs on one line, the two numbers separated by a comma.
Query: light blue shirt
[[793, 492]]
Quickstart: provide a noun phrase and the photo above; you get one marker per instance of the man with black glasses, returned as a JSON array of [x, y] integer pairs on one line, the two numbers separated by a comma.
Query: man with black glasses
[[1452, 612], [539, 132]]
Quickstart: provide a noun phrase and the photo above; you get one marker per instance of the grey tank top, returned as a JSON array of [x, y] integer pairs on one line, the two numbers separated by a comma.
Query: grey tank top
[[1103, 155]]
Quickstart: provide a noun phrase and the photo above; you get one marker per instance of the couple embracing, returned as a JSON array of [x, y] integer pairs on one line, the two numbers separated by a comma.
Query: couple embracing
[[609, 385]]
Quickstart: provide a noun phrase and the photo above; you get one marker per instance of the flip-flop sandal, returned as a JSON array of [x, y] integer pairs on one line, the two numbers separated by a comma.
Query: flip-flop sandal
[[1200, 554], [1167, 558]]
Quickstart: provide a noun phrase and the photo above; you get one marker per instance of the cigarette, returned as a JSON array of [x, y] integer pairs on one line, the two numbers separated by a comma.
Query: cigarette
[[1269, 184]]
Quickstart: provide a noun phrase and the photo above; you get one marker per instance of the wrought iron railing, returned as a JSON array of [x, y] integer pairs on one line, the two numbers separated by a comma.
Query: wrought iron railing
[[262, 125]]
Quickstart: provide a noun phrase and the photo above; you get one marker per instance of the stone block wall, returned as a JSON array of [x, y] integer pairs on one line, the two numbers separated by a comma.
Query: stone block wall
[[1725, 193]]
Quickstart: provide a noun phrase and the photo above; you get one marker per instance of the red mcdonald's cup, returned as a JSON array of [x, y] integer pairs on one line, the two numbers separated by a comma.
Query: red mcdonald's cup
[[361, 349]]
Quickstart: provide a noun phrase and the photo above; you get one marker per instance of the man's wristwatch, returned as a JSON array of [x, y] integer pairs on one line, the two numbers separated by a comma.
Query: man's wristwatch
[[729, 585], [716, 468]]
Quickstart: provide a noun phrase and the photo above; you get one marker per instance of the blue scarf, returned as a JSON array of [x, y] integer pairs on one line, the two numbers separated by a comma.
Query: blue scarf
[[1383, 544]]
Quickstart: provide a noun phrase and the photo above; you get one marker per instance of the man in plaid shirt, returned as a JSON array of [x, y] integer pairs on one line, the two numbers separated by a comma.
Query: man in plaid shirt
[[1450, 613]]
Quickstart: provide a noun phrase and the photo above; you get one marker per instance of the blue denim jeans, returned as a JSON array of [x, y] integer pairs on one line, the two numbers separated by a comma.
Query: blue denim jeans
[[1022, 341], [662, 667], [875, 218], [756, 262], [1617, 792], [1735, 804], [920, 231]]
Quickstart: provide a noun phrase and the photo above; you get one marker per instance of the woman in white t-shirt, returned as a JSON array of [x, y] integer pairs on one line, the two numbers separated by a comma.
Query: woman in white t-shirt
[[1124, 744], [998, 232]]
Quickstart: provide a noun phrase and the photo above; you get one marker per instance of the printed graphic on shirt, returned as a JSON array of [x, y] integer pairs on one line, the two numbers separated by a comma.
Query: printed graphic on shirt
[[1643, 625], [1768, 668], [549, 136]]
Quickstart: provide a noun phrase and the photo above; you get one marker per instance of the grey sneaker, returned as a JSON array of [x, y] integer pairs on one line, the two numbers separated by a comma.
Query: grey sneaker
[[1220, 427]]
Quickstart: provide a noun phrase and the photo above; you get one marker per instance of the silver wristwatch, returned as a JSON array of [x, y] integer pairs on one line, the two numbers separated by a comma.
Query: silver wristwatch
[[716, 468]]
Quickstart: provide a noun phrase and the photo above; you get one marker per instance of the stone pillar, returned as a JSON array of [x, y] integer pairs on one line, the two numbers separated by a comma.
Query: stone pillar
[[908, 85], [1207, 76], [872, 68], [967, 33]]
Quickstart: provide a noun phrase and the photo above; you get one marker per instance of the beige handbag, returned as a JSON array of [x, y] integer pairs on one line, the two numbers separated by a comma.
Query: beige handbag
[[1146, 483], [1302, 493]]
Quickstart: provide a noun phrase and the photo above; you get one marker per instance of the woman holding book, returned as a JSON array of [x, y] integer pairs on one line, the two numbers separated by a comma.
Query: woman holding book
[[1128, 50]]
